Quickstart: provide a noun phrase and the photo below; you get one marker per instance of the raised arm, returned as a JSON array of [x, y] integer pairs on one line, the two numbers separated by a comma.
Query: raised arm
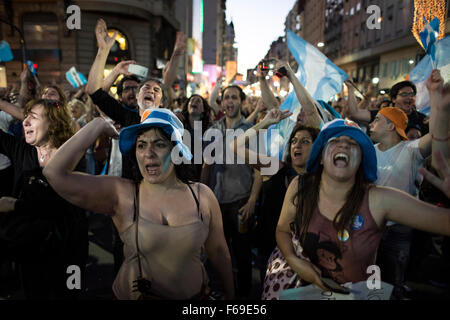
[[352, 109], [438, 138], [266, 93], [216, 246], [443, 168], [387, 203], [120, 68], [12, 109], [171, 68], [240, 144], [254, 115], [305, 269], [95, 193], [214, 95], [312, 116], [104, 42]]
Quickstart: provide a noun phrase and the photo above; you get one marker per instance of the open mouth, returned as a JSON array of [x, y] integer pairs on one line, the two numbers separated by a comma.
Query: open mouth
[[297, 154], [148, 99], [152, 169], [340, 160], [230, 109]]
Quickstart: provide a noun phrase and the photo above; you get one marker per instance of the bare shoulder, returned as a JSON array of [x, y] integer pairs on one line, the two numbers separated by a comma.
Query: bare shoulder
[[293, 186], [203, 189]]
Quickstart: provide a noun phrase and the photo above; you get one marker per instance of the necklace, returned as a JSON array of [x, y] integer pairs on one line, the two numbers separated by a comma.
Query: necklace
[[43, 155]]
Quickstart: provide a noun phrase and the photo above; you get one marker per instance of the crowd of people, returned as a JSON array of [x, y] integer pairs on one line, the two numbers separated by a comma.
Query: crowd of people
[[363, 181]]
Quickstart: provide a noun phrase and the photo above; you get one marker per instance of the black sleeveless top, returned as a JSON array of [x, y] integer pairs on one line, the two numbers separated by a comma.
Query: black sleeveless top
[[269, 209]]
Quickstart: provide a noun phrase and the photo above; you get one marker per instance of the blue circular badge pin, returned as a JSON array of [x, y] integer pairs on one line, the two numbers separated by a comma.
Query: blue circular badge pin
[[358, 222], [343, 236]]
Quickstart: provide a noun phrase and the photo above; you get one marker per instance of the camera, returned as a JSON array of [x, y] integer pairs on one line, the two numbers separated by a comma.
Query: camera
[[267, 64]]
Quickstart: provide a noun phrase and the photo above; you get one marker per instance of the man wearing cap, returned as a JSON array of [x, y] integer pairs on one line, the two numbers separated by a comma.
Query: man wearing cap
[[398, 163], [403, 96], [236, 187]]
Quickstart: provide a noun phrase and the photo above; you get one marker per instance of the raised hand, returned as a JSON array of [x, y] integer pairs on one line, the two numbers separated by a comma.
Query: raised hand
[[434, 82], [101, 32], [275, 115], [122, 67], [180, 43]]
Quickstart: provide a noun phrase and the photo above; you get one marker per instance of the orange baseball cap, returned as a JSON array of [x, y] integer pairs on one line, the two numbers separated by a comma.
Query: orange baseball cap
[[398, 117]]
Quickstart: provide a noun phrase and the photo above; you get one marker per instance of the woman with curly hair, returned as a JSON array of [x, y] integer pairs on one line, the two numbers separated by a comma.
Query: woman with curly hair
[[41, 231]]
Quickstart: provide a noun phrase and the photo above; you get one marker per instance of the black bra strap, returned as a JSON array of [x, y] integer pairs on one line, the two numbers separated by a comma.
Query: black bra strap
[[196, 200]]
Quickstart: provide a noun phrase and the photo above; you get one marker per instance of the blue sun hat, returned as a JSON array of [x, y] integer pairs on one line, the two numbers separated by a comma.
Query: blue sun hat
[[161, 118], [337, 128]]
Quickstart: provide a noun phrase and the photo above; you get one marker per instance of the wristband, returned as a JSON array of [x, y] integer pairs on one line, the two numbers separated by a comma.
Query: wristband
[[439, 139]]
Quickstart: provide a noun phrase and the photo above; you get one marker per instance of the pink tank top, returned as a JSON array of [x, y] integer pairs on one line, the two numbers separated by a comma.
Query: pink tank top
[[344, 257]]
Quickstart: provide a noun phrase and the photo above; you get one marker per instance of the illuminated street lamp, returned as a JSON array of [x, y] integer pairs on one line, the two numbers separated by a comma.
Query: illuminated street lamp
[[375, 80], [411, 61], [320, 44]]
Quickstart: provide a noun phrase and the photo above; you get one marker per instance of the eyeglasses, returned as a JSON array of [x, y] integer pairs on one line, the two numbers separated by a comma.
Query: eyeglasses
[[126, 89], [406, 94]]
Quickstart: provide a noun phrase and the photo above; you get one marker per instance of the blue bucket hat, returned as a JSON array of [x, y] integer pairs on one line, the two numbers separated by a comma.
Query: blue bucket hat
[[337, 128], [161, 118]]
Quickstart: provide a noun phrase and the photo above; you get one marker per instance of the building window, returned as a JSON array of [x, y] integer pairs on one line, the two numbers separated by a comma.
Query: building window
[[384, 70], [41, 38], [358, 6], [120, 50], [40, 30]]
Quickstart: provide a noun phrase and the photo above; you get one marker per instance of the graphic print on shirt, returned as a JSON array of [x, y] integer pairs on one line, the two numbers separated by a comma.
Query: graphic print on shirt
[[325, 254]]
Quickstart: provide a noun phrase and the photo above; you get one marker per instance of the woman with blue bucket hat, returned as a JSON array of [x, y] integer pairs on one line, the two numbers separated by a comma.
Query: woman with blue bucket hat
[[163, 219], [338, 214]]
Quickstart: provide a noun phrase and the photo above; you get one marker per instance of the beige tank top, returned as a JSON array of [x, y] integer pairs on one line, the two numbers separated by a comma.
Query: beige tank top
[[170, 259]]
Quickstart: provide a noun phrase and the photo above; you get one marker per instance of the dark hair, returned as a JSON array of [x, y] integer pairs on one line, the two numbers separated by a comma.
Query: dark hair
[[160, 84], [307, 199], [384, 101], [241, 93], [205, 114], [62, 95], [122, 81], [60, 122], [182, 171], [313, 131], [400, 85]]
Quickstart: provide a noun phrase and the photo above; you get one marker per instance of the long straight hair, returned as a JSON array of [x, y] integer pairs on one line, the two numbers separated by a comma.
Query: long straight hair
[[307, 199]]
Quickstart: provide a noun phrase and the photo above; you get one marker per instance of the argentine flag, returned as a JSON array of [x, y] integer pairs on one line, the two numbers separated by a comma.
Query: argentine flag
[[438, 56], [75, 78], [319, 76]]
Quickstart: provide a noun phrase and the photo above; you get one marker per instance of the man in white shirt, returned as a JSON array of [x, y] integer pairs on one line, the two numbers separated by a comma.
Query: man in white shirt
[[398, 163]]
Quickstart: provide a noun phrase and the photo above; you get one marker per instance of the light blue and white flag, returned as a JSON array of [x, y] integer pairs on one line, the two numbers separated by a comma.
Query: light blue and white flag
[[75, 78], [30, 65], [319, 76], [5, 52], [429, 35], [438, 56]]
